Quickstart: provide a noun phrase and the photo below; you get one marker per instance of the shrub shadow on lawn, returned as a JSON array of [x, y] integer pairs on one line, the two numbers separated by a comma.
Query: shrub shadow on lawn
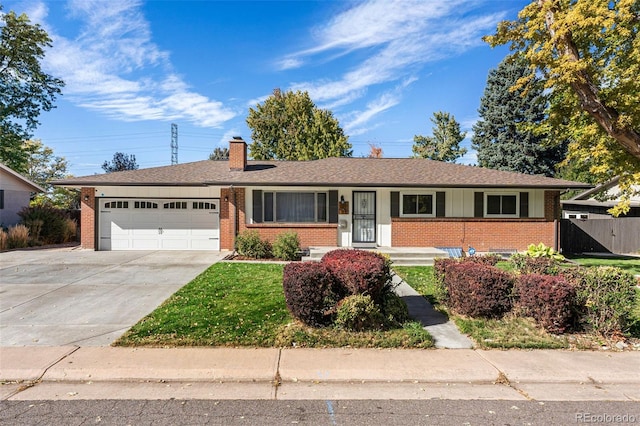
[[421, 310]]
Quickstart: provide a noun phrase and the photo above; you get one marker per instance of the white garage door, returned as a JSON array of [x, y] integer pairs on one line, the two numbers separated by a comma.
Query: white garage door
[[150, 224]]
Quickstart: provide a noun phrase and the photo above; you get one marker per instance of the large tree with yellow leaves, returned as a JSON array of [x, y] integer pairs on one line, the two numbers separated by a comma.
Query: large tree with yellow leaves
[[588, 52]]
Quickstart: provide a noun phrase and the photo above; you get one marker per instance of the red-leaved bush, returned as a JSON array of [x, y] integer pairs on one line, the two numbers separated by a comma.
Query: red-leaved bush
[[478, 290], [308, 292], [358, 272], [550, 300]]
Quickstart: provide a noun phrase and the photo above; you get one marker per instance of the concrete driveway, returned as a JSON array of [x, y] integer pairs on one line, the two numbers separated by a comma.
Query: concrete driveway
[[87, 298]]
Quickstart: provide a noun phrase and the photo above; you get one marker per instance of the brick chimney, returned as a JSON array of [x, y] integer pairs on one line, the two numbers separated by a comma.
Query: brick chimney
[[237, 154]]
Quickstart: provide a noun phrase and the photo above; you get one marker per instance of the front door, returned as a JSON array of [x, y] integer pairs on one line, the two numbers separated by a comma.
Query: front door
[[364, 218]]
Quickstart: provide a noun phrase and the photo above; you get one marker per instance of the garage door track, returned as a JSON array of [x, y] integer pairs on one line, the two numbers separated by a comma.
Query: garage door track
[[87, 298]]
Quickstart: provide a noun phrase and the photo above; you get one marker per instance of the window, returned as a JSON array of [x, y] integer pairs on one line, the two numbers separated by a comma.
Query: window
[[202, 205], [295, 207], [502, 205], [417, 204], [145, 205], [176, 205], [117, 205]]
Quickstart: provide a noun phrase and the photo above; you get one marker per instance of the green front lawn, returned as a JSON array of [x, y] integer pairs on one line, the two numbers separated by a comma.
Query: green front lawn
[[626, 263], [242, 304]]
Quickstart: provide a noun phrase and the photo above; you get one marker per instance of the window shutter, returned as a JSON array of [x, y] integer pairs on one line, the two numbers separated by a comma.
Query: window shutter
[[1, 198], [333, 206], [478, 204], [257, 206], [395, 204], [440, 204], [524, 204]]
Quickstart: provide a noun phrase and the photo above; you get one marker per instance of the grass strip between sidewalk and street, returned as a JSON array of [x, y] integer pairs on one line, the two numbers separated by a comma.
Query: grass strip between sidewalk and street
[[243, 304]]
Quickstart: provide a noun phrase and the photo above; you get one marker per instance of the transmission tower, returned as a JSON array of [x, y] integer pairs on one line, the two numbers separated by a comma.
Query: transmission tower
[[174, 144]]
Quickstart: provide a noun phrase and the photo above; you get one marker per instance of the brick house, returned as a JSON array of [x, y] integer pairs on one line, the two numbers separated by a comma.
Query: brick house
[[345, 202]]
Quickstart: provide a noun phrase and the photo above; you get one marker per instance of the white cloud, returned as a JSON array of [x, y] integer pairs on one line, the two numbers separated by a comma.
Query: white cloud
[[113, 66], [397, 37]]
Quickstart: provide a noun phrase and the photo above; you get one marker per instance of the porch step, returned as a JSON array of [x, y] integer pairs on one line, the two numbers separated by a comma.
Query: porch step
[[406, 256]]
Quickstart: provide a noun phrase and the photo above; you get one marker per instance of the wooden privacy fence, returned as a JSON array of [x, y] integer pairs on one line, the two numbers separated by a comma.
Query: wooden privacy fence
[[615, 235]]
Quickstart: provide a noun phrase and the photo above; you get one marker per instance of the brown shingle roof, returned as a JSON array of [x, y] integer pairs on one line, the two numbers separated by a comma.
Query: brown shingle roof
[[368, 172]]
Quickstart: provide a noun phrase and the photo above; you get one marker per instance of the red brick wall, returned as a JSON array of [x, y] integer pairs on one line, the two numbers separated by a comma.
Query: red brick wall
[[310, 235], [230, 210], [482, 234], [88, 218]]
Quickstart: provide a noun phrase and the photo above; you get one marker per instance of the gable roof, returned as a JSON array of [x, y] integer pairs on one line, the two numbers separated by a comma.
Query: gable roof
[[336, 172], [35, 187]]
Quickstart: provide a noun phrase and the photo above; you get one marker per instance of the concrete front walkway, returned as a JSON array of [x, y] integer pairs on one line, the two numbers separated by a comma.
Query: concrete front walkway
[[58, 297], [444, 332], [45, 373]]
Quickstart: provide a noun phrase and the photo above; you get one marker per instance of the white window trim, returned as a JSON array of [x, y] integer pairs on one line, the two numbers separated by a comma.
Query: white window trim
[[486, 204], [433, 203]]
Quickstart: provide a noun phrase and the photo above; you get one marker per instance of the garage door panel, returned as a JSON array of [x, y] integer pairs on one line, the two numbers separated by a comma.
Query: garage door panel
[[187, 227]]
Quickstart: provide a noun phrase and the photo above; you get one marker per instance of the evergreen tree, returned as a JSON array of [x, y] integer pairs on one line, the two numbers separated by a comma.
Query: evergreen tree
[[504, 136], [219, 154], [120, 163], [444, 145], [289, 126]]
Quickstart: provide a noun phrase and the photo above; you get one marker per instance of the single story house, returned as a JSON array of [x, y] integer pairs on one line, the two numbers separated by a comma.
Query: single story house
[[15, 194], [345, 202], [594, 203]]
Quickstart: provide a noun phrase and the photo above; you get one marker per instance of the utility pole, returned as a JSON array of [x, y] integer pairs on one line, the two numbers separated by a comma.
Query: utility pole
[[174, 144]]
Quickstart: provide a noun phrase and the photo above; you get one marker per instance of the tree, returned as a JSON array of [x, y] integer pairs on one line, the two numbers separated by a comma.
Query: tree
[[120, 163], [589, 55], [444, 145], [288, 126], [375, 151], [42, 168], [504, 136], [25, 90], [219, 154]]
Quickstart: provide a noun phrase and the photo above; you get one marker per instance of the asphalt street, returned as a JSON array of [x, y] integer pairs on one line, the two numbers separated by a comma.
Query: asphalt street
[[317, 412]]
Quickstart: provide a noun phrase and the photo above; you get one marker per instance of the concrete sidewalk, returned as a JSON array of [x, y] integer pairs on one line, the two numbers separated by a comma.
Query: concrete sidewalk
[[45, 373]]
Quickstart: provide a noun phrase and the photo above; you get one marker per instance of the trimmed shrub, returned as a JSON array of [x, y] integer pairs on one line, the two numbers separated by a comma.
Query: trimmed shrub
[[249, 244], [307, 291], [535, 265], [54, 223], [18, 237], [394, 309], [358, 272], [358, 312], [478, 290], [286, 246], [487, 259], [606, 298], [550, 300]]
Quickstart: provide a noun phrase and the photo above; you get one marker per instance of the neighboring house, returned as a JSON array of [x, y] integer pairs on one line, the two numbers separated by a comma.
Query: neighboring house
[[15, 194], [346, 202], [595, 203]]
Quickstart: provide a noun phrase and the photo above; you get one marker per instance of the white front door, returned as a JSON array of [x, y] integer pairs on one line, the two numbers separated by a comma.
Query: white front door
[[364, 218], [151, 224]]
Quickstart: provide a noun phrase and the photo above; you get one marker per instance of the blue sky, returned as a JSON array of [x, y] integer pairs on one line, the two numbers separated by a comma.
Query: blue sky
[[132, 68]]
